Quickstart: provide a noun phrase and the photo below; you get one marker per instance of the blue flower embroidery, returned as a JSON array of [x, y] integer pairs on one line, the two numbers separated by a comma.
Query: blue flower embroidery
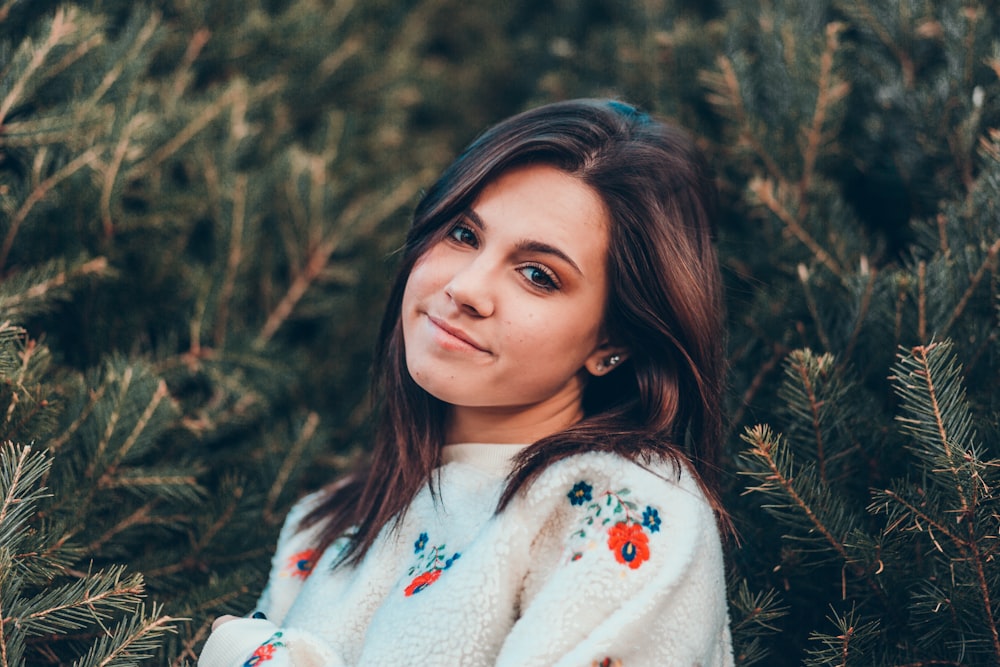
[[651, 519], [430, 564], [580, 493]]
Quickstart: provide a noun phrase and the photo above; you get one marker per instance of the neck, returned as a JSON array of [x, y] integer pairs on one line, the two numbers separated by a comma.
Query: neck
[[510, 425]]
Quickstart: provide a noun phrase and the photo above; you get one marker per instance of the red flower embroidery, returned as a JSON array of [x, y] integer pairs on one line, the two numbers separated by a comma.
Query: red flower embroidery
[[422, 582], [630, 544], [265, 651], [301, 564], [262, 654], [607, 662]]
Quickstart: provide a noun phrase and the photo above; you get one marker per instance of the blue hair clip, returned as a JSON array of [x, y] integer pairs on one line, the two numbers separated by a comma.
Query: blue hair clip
[[629, 111]]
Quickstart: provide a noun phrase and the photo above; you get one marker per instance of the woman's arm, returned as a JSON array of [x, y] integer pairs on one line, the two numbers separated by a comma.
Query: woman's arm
[[247, 641]]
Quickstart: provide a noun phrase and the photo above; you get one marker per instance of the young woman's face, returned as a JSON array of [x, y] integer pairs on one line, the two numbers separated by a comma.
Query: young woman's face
[[502, 318]]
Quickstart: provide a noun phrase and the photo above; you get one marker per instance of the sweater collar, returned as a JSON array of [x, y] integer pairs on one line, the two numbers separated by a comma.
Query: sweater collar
[[488, 457]]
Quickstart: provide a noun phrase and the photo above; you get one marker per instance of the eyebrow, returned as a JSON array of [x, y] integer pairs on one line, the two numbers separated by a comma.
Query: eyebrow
[[527, 245]]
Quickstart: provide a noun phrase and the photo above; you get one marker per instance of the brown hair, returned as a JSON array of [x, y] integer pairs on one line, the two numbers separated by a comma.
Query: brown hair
[[664, 306]]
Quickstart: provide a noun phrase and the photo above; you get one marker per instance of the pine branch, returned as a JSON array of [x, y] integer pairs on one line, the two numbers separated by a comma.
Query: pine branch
[[20, 471], [64, 26], [867, 19], [989, 264], [864, 308], [112, 170], [133, 639], [804, 369], [33, 290], [141, 424], [754, 616], [777, 480], [236, 93], [727, 98], [94, 398], [764, 190], [93, 598], [928, 381], [756, 384], [360, 218], [136, 51], [289, 460], [824, 339], [848, 646], [829, 91], [234, 258], [39, 192]]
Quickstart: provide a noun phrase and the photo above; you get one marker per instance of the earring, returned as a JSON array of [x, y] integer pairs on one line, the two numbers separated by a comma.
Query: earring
[[612, 361]]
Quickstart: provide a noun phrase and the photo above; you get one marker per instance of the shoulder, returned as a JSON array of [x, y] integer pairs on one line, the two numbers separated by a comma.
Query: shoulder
[[603, 476], [295, 554], [632, 511]]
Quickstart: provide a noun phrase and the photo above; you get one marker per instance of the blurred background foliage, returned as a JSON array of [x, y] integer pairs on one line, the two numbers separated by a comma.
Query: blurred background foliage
[[200, 203]]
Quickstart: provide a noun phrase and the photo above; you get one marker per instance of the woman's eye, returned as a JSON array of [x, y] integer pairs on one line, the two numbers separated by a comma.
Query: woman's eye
[[464, 235], [540, 276]]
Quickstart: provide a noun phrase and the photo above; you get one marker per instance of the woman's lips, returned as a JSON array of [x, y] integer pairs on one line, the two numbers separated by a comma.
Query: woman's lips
[[454, 337]]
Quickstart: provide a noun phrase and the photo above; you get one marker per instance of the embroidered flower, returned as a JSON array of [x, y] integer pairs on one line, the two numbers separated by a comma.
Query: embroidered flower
[[302, 563], [422, 582], [651, 519], [630, 544], [262, 654], [614, 519], [429, 564], [265, 651], [608, 662], [580, 493]]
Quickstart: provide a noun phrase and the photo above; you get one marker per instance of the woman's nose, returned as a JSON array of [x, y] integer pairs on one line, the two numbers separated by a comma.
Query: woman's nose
[[472, 288]]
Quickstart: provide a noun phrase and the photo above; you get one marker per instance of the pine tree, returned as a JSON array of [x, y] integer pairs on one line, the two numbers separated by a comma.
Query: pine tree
[[859, 133]]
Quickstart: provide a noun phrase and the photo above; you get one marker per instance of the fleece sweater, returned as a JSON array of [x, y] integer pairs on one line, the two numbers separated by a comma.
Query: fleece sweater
[[598, 562]]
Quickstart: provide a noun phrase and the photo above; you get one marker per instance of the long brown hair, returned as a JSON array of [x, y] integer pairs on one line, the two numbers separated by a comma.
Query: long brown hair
[[664, 306]]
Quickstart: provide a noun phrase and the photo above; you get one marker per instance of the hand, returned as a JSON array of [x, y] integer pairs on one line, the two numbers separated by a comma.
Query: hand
[[222, 619]]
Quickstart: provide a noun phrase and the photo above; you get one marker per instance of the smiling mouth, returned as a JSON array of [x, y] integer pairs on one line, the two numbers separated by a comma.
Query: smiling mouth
[[454, 338]]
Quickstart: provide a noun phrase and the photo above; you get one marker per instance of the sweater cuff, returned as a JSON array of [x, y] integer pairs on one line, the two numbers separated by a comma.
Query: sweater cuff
[[234, 641]]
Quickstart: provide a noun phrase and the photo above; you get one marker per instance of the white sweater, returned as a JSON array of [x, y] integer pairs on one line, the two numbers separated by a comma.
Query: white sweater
[[598, 562]]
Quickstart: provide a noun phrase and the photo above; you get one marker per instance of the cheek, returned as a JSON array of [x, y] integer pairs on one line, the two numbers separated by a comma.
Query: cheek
[[559, 339], [428, 273]]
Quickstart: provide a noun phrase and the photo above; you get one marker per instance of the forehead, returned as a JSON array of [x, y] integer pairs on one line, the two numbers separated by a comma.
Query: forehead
[[542, 203]]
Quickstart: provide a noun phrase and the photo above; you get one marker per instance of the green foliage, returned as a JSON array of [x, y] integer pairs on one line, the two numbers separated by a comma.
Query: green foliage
[[199, 204]]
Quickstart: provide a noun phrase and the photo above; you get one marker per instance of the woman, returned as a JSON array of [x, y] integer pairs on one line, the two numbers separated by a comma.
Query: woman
[[542, 487]]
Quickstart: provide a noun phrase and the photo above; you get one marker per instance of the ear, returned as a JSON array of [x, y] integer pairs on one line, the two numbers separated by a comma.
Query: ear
[[605, 358]]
